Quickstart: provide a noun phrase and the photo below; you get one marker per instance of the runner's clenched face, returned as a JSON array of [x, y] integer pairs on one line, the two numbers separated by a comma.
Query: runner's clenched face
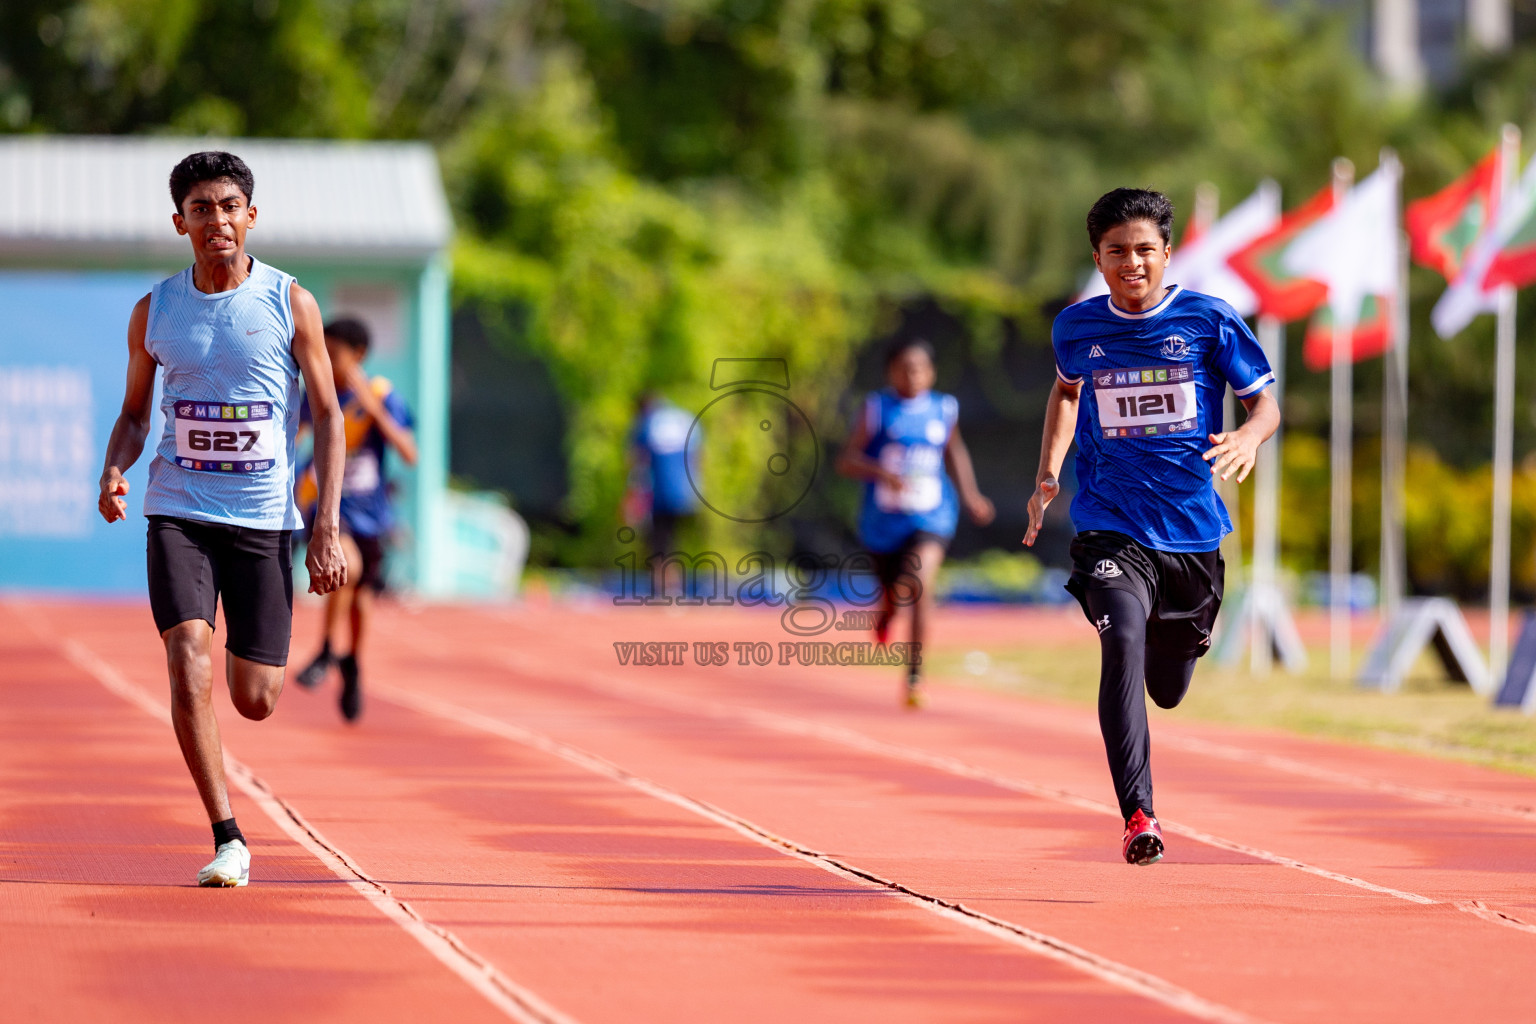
[[215, 216], [1132, 257]]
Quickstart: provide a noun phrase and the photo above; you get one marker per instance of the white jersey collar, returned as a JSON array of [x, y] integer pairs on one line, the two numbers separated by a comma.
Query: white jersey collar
[[1173, 293]]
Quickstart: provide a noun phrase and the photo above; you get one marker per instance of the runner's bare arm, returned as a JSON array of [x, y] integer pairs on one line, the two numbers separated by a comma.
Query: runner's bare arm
[[326, 563], [132, 426], [1056, 440], [1234, 451], [853, 463], [399, 437], [958, 458]]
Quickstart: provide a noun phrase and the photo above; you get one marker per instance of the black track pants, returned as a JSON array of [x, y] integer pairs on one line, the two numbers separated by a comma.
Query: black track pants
[[1128, 660]]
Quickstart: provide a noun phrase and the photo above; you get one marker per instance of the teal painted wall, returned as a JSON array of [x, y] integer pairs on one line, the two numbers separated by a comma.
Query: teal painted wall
[[80, 319]]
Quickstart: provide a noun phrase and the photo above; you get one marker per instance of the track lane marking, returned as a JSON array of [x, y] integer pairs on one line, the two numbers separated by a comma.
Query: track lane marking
[[843, 736], [1210, 748], [1120, 975], [512, 999]]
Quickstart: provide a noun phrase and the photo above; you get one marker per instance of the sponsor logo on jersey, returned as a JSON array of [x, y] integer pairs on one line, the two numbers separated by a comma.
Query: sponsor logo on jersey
[[935, 432], [1107, 569], [1102, 624], [1174, 347], [1095, 353]]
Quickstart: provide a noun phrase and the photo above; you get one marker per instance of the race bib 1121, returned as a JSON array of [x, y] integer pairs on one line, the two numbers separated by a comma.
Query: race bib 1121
[[1151, 401], [225, 437]]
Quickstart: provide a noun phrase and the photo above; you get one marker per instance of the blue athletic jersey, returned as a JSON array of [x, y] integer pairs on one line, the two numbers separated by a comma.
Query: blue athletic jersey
[[1153, 385], [230, 394], [908, 436], [663, 433], [366, 510]]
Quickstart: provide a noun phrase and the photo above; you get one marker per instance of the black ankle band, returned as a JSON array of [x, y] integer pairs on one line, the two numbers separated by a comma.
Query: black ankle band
[[226, 831]]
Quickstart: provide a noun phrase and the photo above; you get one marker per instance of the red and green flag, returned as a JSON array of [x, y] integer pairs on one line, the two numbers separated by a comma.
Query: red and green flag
[[1442, 227], [1283, 294], [1515, 262], [1371, 336]]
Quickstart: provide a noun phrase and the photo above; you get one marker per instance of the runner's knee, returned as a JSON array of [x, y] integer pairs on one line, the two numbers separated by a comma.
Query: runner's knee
[[1168, 678], [254, 687], [186, 656]]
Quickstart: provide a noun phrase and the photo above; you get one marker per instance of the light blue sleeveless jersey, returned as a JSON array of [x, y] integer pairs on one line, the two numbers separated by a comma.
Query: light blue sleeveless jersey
[[230, 394], [908, 437]]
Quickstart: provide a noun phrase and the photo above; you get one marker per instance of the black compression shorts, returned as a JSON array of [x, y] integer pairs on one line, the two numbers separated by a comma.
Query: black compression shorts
[[1180, 592], [192, 564], [890, 566]]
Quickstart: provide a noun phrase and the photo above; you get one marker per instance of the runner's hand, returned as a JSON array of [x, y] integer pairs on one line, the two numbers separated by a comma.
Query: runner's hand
[[1045, 493], [326, 563], [112, 506], [980, 509], [1234, 452], [362, 390]]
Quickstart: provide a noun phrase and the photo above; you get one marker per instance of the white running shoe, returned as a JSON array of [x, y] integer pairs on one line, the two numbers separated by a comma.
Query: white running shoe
[[231, 866]]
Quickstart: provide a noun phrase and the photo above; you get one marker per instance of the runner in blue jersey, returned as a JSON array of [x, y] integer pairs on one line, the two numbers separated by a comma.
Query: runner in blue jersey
[[377, 419], [231, 335], [664, 471], [901, 442], [1141, 377]]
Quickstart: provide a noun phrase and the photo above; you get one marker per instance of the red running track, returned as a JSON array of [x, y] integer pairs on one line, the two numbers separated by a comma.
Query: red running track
[[523, 829]]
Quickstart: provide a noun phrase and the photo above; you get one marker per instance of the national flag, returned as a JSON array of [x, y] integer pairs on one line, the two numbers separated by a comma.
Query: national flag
[[1515, 263], [1353, 250], [1443, 227], [1280, 292], [1371, 336], [1502, 256], [1200, 264]]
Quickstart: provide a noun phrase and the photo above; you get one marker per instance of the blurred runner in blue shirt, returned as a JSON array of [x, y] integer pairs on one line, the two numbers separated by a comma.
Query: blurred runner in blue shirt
[[376, 420], [901, 442], [660, 455]]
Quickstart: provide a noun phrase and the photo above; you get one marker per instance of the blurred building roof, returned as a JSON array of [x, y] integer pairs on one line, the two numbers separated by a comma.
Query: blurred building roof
[[100, 198]]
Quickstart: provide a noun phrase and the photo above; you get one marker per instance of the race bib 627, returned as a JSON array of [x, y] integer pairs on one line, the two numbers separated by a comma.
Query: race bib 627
[[225, 437], [1152, 401]]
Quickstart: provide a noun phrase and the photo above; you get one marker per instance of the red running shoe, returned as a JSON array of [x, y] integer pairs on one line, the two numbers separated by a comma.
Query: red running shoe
[[1143, 843]]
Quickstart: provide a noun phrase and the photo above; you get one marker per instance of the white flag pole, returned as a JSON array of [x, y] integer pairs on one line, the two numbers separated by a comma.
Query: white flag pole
[[1394, 446], [1503, 443], [1394, 434], [1206, 212], [1266, 507], [1341, 460]]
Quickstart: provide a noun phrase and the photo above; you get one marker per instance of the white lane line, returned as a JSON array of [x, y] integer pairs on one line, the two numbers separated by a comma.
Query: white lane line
[[512, 999], [1209, 748], [1487, 913], [1120, 975], [850, 738], [1196, 745], [841, 736]]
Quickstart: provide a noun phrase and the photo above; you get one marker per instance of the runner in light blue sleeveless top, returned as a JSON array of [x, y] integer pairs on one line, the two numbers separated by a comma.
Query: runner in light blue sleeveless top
[[230, 395], [230, 336]]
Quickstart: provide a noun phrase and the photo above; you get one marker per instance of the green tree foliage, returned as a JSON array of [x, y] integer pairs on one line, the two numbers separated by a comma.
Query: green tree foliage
[[642, 186]]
